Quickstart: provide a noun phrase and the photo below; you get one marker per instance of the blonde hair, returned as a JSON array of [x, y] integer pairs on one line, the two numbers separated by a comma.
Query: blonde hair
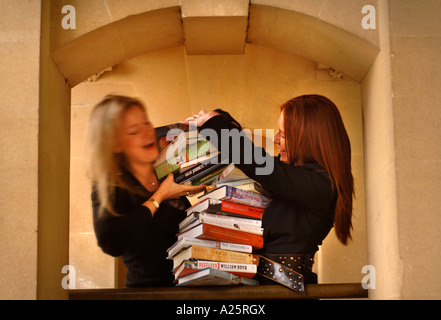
[[104, 166]]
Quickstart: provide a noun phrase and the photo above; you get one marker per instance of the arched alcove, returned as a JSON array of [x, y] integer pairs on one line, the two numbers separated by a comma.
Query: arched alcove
[[278, 54]]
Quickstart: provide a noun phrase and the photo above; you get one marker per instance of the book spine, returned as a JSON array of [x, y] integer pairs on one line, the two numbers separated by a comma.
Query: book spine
[[236, 208], [241, 269], [240, 224], [165, 165], [237, 195], [204, 253], [234, 226], [207, 178], [228, 219], [197, 172], [212, 232], [187, 242]]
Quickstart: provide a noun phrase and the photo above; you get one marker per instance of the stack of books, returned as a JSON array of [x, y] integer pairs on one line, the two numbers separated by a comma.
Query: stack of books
[[223, 228], [217, 239]]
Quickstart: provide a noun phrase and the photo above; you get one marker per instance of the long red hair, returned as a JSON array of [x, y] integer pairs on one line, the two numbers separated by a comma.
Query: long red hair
[[314, 132]]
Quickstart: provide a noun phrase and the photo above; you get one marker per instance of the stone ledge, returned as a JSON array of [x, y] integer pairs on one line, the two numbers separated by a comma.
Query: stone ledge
[[267, 292]]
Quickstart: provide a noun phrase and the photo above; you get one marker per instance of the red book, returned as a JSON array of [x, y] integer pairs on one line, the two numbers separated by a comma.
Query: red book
[[212, 232], [226, 208]]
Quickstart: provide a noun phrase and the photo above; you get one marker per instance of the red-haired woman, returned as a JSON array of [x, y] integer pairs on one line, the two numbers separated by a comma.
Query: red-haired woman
[[311, 183]]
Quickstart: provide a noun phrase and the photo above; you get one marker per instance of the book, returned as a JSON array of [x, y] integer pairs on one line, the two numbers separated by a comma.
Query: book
[[241, 184], [197, 172], [230, 174], [235, 223], [203, 253], [167, 133], [193, 265], [213, 277], [208, 178], [174, 157], [227, 208], [211, 232], [192, 163], [236, 195], [184, 243], [177, 146]]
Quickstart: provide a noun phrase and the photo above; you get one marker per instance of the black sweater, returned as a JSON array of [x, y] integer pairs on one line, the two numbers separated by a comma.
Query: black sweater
[[141, 240], [301, 213]]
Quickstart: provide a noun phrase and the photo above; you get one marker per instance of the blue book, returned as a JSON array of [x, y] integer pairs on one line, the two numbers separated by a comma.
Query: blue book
[[236, 195]]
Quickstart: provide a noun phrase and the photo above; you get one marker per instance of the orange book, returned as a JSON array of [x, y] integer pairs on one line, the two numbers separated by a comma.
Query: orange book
[[226, 208], [212, 232]]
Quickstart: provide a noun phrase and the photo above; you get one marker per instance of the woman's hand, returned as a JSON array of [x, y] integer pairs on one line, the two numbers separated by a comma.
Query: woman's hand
[[169, 189], [201, 117]]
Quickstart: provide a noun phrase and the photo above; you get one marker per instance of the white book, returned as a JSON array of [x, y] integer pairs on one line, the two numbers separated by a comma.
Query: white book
[[242, 224], [185, 243], [192, 265], [213, 277], [219, 217]]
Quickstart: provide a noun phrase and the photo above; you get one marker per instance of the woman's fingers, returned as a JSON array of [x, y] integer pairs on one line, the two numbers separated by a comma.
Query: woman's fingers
[[190, 190], [200, 118]]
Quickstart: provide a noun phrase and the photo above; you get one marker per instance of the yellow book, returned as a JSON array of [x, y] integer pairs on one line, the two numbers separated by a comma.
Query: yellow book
[[204, 253]]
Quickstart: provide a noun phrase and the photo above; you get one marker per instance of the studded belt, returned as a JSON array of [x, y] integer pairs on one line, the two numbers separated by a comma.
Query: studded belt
[[286, 269]]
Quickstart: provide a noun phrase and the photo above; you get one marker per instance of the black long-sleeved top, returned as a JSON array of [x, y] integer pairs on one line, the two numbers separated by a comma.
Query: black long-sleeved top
[[301, 213], [141, 240]]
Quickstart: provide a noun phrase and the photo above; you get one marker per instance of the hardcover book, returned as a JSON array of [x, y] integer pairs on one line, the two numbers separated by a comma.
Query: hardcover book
[[212, 232], [236, 195], [193, 265], [214, 277], [235, 223], [227, 208], [184, 243], [172, 161]]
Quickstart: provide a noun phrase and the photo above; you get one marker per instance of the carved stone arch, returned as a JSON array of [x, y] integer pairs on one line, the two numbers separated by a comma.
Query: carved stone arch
[[262, 25]]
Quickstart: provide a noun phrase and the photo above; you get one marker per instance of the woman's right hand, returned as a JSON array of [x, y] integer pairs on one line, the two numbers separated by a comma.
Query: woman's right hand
[[201, 117]]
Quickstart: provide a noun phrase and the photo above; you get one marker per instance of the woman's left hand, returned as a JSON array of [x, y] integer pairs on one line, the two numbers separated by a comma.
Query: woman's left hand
[[169, 189]]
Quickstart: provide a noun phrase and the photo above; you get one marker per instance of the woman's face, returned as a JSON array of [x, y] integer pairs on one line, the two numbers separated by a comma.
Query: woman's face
[[136, 137], [279, 138]]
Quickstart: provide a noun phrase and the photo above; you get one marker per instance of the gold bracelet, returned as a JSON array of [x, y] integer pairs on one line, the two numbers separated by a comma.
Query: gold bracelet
[[155, 203]]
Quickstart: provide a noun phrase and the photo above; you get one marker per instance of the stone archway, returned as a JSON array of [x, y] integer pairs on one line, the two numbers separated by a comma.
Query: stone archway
[[205, 31]]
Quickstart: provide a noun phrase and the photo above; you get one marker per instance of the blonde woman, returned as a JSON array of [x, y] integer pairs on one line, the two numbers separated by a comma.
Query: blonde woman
[[135, 216]]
